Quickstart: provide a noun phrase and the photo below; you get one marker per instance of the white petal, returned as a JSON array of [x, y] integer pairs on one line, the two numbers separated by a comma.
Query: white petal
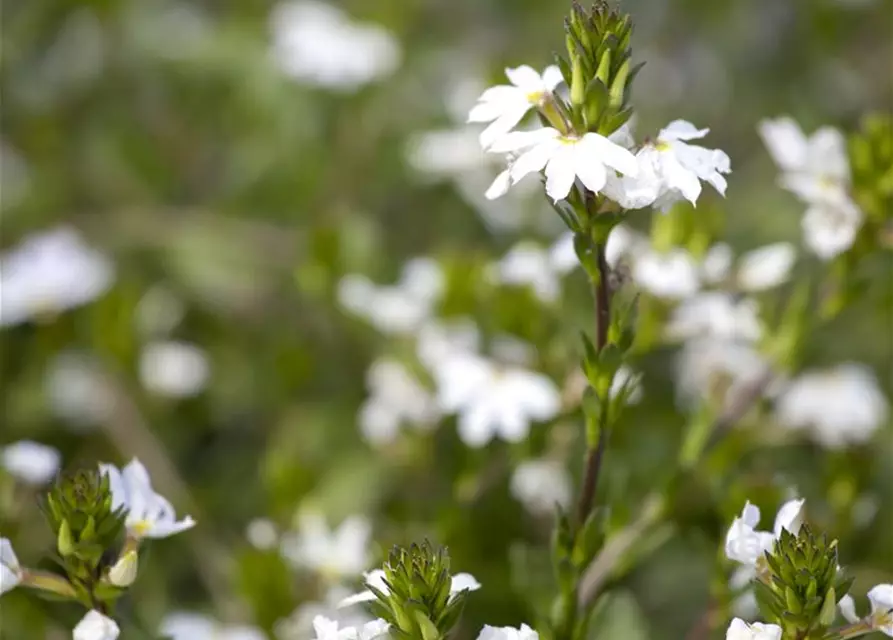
[[848, 608], [560, 173], [533, 160], [552, 77], [786, 143], [503, 124], [789, 517], [96, 626], [681, 130], [750, 515], [477, 424], [766, 267], [589, 168], [500, 185], [357, 598], [464, 582], [612, 155], [679, 177], [519, 140], [525, 77]]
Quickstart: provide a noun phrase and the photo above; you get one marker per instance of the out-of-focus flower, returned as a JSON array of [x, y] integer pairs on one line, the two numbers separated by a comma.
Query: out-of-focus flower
[[49, 273], [503, 106], [716, 368], [149, 515], [399, 308], [327, 629], [672, 274], [174, 369], [741, 630], [507, 633], [123, 573], [840, 406], [540, 485], [766, 267], [31, 462], [492, 400], [396, 398], [299, 625], [439, 340], [881, 616], [316, 43], [10, 569], [262, 534], [96, 626], [183, 625], [77, 391], [830, 226], [376, 578], [746, 545], [339, 553], [565, 158], [715, 314], [531, 265]]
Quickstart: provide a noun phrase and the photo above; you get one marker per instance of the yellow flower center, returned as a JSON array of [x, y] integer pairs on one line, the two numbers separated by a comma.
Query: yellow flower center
[[535, 97], [141, 528]]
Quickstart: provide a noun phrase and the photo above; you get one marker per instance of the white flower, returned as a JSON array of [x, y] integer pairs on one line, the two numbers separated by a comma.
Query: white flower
[[327, 629], [337, 553], [740, 630], [399, 308], [540, 485], [48, 273], [315, 42], [439, 340], [30, 462], [299, 625], [95, 626], [830, 226], [840, 406], [77, 391], [376, 578], [528, 264], [565, 158], [709, 366], [671, 168], [183, 625], [173, 369], [766, 267], [149, 515], [10, 570], [745, 544], [672, 274], [262, 534], [492, 400], [396, 398], [715, 314], [625, 244], [507, 633], [881, 616], [505, 105], [815, 168]]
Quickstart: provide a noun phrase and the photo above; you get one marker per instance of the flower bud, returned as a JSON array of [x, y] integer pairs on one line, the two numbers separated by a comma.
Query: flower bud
[[124, 571]]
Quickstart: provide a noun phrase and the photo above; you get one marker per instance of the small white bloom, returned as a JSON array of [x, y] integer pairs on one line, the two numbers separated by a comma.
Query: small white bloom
[[333, 553], [527, 264], [830, 226], [149, 515], [715, 314], [299, 625], [740, 630], [30, 462], [745, 544], [440, 340], [709, 366], [77, 391], [396, 398], [815, 168], [327, 629], [507, 633], [95, 626], [174, 369], [10, 569], [717, 263], [493, 401], [315, 42], [183, 625], [565, 158], [262, 534], [540, 485], [376, 578], [671, 275], [503, 106], [840, 406], [449, 153], [48, 273], [881, 616], [625, 244], [766, 267]]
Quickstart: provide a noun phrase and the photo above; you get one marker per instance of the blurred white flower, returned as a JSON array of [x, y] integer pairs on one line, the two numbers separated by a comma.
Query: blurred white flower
[[492, 400], [671, 275], [840, 406], [399, 308], [766, 267], [447, 153], [503, 106], [715, 314], [396, 398], [77, 391], [299, 625], [527, 264], [625, 244], [540, 485], [562, 255], [10, 569], [48, 273], [438, 340], [96, 626], [262, 534], [507, 633], [184, 625], [710, 367], [333, 553], [376, 578], [741, 630], [317, 43], [149, 515], [174, 369], [327, 629], [830, 226], [881, 616], [746, 545], [565, 158], [31, 462]]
